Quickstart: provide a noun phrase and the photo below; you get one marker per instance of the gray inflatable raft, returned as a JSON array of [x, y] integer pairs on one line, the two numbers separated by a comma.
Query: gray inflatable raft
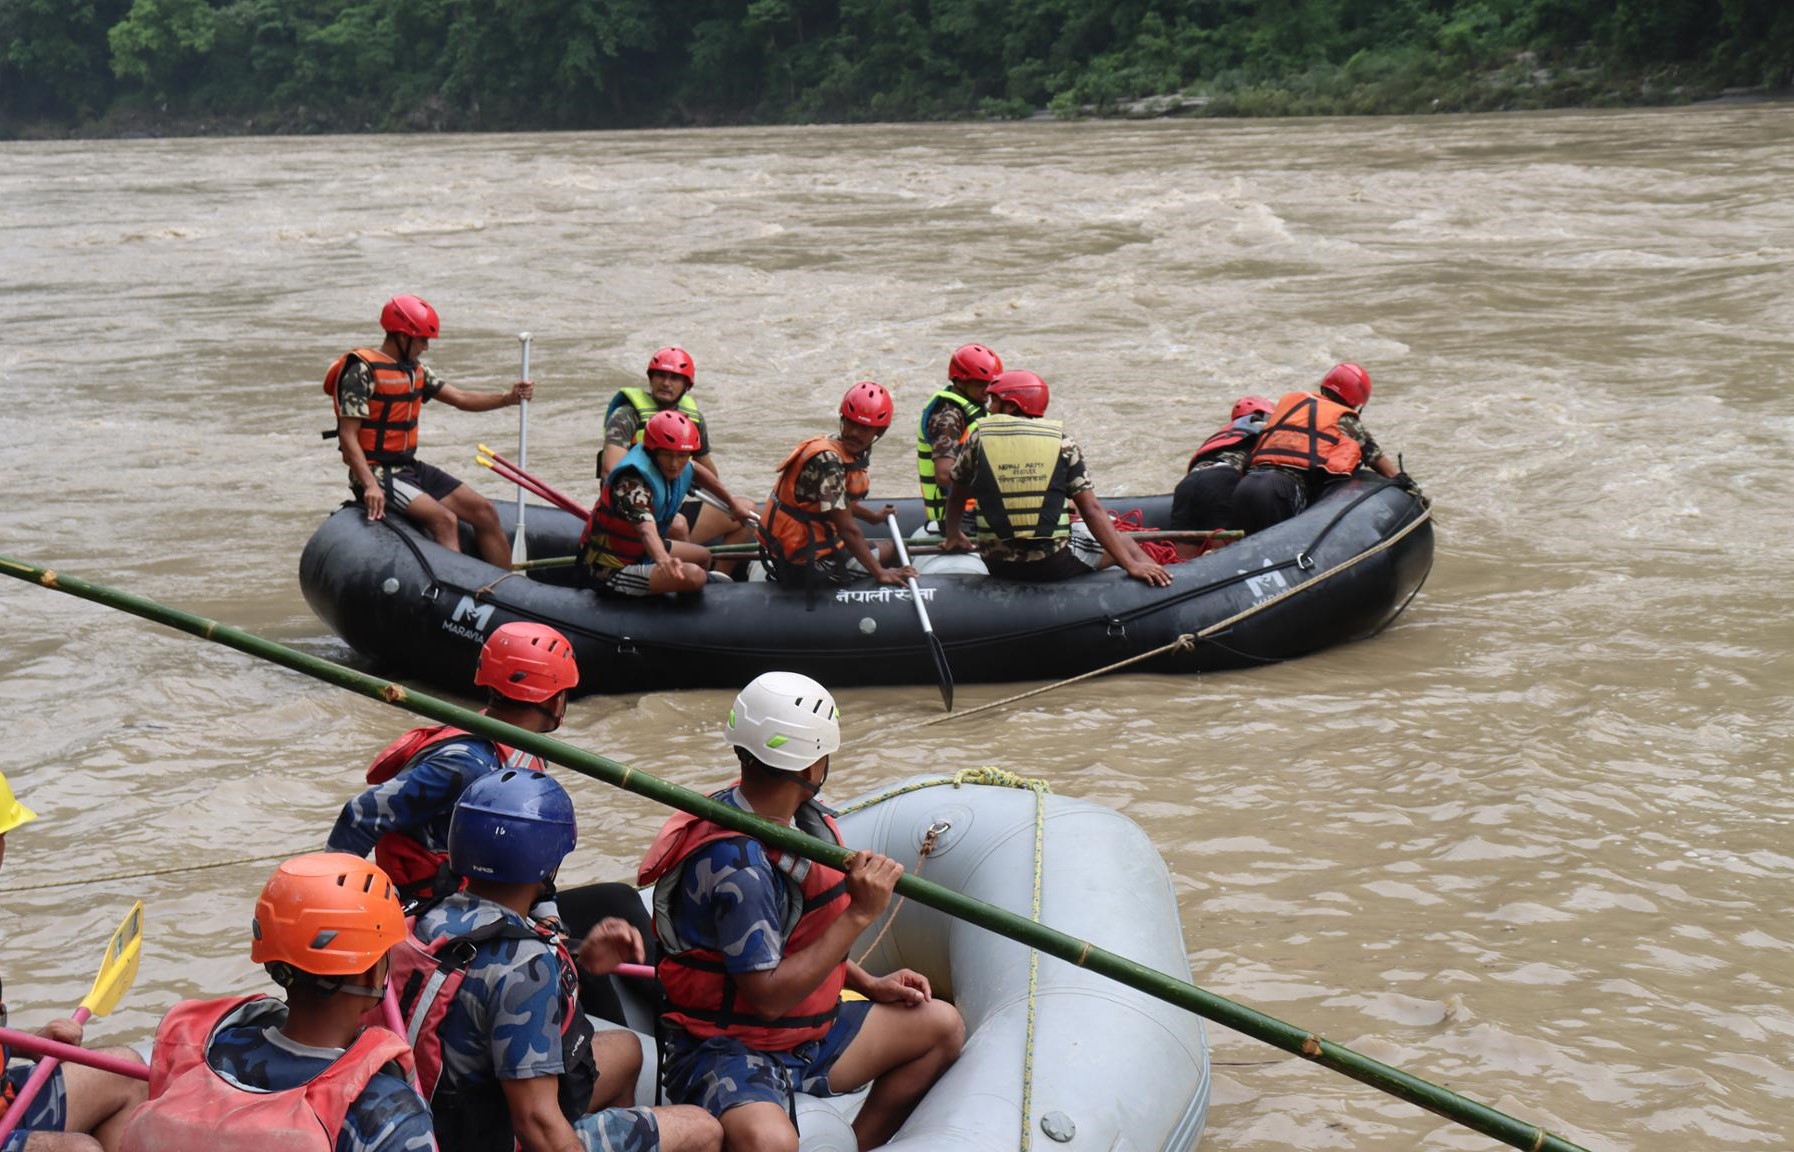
[[1107, 1069]]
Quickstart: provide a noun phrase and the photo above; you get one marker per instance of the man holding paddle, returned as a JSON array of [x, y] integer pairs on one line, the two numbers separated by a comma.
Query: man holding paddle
[[378, 394], [73, 1108]]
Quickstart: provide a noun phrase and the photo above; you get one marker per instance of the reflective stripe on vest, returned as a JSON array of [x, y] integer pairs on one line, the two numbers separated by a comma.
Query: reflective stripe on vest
[[388, 433], [1020, 484], [646, 406], [192, 1107], [426, 977], [702, 997], [934, 494], [800, 533], [414, 867], [1303, 434], [611, 539]]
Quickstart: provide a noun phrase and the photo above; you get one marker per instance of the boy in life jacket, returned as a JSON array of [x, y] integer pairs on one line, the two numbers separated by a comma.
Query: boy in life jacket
[[79, 1109], [489, 996], [403, 815], [947, 421], [626, 548], [1310, 441], [249, 1072], [671, 374], [807, 529], [1024, 475], [1203, 499], [378, 394], [754, 947]]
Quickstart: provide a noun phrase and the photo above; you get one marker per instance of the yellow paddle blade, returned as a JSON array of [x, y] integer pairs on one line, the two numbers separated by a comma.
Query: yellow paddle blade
[[485, 450], [119, 968], [482, 461]]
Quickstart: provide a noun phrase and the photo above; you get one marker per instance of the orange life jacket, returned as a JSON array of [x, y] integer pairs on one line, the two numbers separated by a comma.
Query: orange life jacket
[[800, 533], [1303, 434], [413, 867], [191, 1106], [388, 432], [702, 997]]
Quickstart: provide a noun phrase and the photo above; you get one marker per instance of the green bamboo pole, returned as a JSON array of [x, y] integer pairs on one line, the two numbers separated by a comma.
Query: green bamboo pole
[[1070, 949]]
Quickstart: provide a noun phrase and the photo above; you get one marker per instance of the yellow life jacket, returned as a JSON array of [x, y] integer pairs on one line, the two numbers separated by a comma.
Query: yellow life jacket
[[1021, 480]]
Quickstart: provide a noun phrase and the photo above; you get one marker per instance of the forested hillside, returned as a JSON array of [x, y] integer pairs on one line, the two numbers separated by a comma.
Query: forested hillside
[[349, 65]]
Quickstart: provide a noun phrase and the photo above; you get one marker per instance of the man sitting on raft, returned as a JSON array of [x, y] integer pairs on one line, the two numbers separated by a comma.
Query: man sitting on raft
[[627, 548], [1022, 469]]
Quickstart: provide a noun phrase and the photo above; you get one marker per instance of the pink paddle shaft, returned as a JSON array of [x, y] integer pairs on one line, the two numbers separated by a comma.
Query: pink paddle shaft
[[38, 1046], [637, 971]]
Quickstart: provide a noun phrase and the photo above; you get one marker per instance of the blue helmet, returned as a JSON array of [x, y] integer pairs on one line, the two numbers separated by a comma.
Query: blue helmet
[[512, 826]]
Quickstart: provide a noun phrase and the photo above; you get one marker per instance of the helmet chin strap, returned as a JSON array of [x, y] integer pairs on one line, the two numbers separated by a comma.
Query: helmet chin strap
[[811, 790]]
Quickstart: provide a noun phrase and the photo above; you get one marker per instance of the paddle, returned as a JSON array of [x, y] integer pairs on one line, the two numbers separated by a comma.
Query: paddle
[[943, 673], [714, 501], [507, 471], [117, 970], [519, 550], [35, 1045]]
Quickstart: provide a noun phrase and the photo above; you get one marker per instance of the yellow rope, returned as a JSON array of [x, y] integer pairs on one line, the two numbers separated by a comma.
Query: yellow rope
[[995, 777], [1033, 970], [1188, 639], [155, 872]]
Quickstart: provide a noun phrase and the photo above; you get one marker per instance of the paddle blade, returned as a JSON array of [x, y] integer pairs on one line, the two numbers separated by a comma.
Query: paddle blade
[[119, 968], [942, 673]]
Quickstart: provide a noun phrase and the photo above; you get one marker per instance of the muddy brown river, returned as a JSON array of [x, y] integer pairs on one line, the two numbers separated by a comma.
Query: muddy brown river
[[1534, 842]]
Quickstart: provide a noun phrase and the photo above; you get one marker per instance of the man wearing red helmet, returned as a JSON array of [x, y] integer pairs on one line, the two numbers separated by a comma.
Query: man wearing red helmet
[[1310, 441], [624, 549], [403, 815], [807, 529], [378, 396], [948, 419], [1203, 499], [1020, 470], [671, 375]]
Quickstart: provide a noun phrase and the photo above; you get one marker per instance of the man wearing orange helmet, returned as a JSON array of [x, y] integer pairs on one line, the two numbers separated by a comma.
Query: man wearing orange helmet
[[1203, 499], [1310, 441], [625, 549], [403, 815], [948, 419], [807, 529], [671, 374], [251, 1072], [378, 396], [78, 1109], [1020, 471]]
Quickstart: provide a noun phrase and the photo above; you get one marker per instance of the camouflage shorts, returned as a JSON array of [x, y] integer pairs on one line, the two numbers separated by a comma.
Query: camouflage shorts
[[619, 1130], [719, 1073], [48, 1110]]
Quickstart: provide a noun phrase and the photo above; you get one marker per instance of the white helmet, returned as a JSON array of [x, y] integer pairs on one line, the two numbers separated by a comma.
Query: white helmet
[[785, 720]]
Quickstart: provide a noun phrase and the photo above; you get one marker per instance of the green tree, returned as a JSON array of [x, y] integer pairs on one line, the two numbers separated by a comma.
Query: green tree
[[158, 40]]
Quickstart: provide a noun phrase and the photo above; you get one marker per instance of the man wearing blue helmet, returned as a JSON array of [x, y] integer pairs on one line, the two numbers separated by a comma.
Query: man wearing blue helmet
[[490, 996]]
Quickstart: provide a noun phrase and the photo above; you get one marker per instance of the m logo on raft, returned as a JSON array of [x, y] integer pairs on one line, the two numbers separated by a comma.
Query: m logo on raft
[[469, 620]]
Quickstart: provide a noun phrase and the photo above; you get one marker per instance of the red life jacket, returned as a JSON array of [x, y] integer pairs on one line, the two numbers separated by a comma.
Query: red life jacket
[[7, 1092], [427, 977], [1303, 434], [192, 1107], [413, 867], [388, 432], [702, 997], [800, 533], [1230, 436]]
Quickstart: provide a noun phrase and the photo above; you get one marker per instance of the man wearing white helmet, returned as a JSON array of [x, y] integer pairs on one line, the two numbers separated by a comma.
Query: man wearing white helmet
[[754, 947]]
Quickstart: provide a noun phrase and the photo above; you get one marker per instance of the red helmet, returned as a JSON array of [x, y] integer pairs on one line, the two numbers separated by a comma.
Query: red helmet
[[1348, 382], [1247, 405], [867, 403], [1025, 390], [527, 662], [671, 431], [675, 360], [410, 316], [974, 362]]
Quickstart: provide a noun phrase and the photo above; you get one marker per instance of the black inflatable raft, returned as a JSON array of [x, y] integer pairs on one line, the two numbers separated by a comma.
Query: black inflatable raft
[[1340, 571]]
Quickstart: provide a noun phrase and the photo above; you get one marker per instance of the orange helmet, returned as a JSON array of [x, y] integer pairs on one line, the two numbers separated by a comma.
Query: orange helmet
[[527, 662], [327, 914]]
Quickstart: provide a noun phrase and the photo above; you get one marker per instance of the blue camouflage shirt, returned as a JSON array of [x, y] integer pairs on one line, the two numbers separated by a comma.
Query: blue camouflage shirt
[[249, 1051], [734, 900], [418, 801]]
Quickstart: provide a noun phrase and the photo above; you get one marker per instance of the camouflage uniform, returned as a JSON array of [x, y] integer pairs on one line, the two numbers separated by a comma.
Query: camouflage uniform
[[945, 427], [505, 1023], [356, 384], [403, 481], [48, 1110], [249, 1052], [623, 425], [822, 482], [1077, 479], [733, 899]]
